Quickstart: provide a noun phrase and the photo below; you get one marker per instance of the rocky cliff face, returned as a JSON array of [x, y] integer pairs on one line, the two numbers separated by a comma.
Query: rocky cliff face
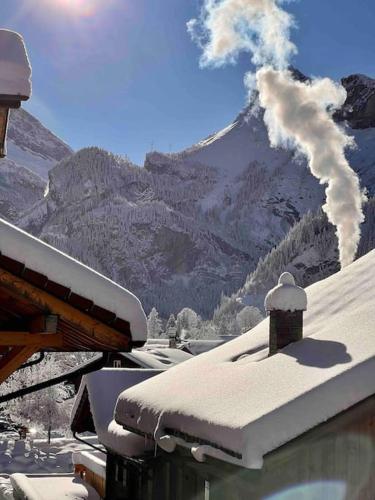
[[135, 227], [191, 225], [32, 145], [19, 189], [359, 108], [309, 252], [32, 151]]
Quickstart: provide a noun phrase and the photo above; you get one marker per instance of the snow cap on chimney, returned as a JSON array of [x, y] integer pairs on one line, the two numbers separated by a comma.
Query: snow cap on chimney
[[286, 296]]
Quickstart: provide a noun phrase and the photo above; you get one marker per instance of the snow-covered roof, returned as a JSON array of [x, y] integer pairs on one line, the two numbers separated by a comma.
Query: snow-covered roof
[[193, 346], [197, 347], [103, 388], [80, 279], [238, 404], [159, 359], [15, 70]]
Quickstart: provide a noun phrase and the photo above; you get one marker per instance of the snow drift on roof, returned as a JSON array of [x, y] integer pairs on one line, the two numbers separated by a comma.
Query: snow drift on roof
[[58, 267], [232, 396], [15, 70]]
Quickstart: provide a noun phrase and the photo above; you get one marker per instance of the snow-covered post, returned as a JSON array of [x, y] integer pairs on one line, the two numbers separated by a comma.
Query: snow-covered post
[[285, 303], [15, 79]]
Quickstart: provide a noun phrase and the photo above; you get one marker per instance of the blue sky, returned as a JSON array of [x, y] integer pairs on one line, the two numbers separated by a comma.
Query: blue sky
[[124, 74]]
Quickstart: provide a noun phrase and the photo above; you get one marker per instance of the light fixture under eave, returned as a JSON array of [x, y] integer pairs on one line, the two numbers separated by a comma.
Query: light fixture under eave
[[15, 79]]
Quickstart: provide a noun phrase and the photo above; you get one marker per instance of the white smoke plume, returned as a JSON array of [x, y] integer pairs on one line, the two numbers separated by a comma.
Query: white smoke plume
[[297, 114], [227, 27]]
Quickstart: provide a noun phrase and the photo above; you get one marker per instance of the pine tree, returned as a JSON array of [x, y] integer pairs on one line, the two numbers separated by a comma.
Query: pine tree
[[154, 324]]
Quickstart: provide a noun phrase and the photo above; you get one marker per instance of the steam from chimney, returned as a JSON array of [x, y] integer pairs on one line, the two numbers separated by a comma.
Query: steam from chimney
[[296, 114]]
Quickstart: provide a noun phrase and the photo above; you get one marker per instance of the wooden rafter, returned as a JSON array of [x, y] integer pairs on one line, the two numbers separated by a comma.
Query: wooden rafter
[[42, 340], [99, 332], [11, 361]]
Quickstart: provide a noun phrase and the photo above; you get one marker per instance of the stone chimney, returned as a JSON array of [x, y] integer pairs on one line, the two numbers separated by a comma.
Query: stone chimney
[[285, 304]]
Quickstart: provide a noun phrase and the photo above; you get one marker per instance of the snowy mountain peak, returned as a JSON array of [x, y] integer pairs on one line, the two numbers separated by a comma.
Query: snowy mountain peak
[[359, 107], [189, 225], [32, 145]]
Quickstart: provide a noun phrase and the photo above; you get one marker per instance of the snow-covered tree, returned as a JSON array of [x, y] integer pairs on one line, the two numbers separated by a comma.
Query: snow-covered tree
[[154, 324], [50, 408], [188, 323], [248, 318]]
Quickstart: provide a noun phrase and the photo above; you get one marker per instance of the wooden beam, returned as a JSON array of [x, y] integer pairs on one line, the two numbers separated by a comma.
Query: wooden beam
[[43, 323], [14, 359], [30, 339], [104, 334]]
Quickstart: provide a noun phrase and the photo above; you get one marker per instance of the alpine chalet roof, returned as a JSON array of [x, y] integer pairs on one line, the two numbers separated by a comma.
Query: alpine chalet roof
[[237, 404], [54, 273]]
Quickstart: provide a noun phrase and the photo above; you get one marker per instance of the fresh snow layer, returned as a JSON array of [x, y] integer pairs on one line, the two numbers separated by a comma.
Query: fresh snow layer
[[237, 398], [286, 296], [126, 443], [82, 280], [159, 359], [104, 387], [52, 488], [15, 70], [194, 346]]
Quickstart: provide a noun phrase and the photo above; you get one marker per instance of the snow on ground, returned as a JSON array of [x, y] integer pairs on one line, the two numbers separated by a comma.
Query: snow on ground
[[66, 271], [240, 393], [37, 456]]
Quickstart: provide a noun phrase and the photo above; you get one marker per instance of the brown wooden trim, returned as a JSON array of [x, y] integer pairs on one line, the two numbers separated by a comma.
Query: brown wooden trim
[[95, 329], [66, 294], [31, 339], [11, 361]]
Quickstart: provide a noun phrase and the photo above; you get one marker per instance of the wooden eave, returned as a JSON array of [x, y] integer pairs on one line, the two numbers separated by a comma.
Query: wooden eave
[[28, 299]]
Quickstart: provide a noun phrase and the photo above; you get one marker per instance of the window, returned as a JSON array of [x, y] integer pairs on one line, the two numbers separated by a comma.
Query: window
[[116, 363]]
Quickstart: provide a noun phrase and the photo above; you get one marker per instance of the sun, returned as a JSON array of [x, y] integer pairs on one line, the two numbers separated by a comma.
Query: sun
[[77, 7]]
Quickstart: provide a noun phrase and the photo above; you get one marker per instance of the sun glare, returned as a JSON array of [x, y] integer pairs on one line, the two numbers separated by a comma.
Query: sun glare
[[77, 7]]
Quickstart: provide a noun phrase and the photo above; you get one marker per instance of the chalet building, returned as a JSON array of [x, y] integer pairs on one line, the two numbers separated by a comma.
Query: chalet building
[[259, 419], [94, 408], [49, 301], [93, 413]]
